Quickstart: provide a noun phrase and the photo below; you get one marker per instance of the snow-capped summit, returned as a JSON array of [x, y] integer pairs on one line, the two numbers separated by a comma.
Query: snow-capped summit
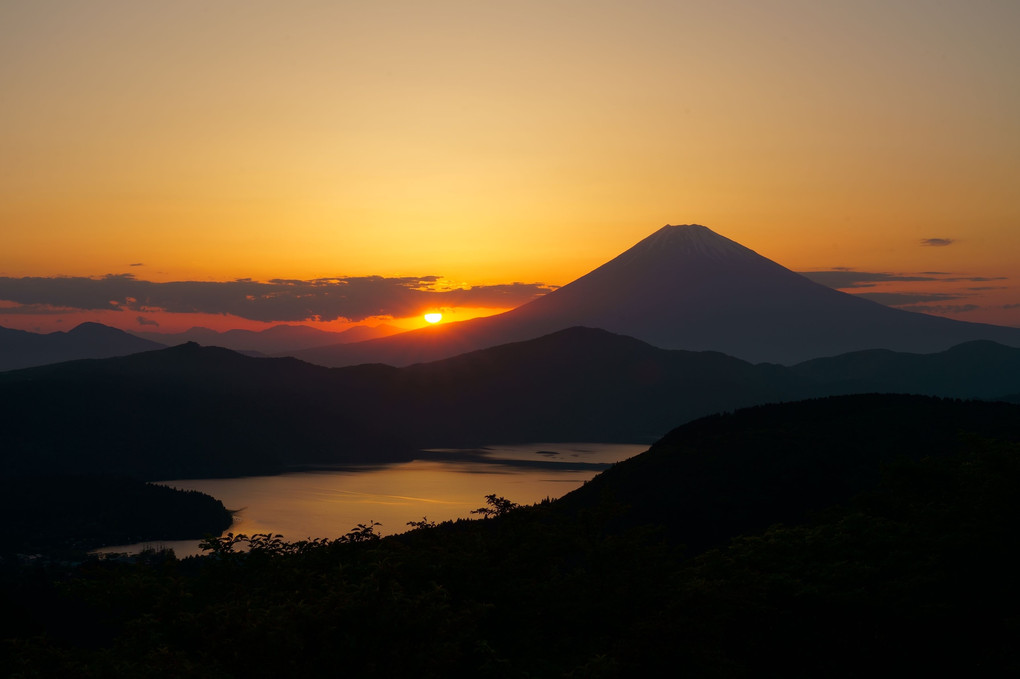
[[691, 240]]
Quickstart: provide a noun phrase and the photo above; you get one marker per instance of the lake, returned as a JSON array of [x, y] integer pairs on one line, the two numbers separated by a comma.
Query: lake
[[443, 485]]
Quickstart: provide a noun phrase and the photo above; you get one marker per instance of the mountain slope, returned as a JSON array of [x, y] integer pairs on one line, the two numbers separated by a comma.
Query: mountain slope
[[22, 349], [686, 287], [741, 472]]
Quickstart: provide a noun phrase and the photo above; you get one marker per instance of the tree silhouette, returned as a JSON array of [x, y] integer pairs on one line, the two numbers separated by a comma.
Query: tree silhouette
[[497, 506]]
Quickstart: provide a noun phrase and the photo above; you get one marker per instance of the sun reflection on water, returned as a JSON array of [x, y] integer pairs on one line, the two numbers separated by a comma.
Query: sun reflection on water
[[328, 503]]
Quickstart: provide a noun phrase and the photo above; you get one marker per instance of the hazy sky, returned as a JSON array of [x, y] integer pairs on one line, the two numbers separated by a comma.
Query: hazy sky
[[488, 143]]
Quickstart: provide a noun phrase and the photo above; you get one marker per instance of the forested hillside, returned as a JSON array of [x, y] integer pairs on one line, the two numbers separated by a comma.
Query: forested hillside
[[907, 570]]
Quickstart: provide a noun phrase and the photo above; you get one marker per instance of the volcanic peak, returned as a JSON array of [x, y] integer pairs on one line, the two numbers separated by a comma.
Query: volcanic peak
[[687, 242]]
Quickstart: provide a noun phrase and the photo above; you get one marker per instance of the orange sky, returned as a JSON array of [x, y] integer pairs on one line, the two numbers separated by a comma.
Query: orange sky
[[489, 143]]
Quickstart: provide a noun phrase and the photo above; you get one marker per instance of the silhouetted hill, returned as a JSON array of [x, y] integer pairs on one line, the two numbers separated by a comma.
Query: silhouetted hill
[[81, 513], [686, 287], [183, 412], [578, 384], [739, 473], [21, 349]]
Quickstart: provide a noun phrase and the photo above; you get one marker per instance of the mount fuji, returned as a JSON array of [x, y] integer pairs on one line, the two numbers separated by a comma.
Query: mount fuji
[[687, 287]]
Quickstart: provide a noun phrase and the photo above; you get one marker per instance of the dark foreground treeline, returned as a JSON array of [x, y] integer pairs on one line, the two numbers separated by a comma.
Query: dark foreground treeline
[[897, 556]]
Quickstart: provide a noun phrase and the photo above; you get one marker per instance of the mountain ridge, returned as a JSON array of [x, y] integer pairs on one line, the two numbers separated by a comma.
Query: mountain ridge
[[24, 349], [193, 411]]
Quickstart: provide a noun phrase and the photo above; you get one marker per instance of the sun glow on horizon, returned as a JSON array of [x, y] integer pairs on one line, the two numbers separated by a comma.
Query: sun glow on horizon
[[243, 153], [450, 315], [433, 317]]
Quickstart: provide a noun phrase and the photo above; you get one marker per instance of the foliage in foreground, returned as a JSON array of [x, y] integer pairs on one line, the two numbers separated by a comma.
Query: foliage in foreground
[[915, 575]]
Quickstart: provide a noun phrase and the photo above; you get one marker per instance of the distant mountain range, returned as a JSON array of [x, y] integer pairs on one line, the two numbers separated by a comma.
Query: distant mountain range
[[22, 349], [279, 339], [686, 287], [206, 411], [977, 369]]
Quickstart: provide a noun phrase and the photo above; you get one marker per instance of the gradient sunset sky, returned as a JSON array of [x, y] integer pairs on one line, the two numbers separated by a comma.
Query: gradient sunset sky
[[356, 155]]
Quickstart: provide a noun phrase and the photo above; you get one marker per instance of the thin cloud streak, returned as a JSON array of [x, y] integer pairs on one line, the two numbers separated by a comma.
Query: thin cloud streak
[[845, 278], [945, 308], [34, 310], [904, 299], [352, 298], [886, 288], [937, 242], [842, 279]]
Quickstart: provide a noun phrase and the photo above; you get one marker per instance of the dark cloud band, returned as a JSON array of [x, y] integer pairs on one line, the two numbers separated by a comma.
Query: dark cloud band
[[945, 308], [280, 300], [842, 279], [902, 299]]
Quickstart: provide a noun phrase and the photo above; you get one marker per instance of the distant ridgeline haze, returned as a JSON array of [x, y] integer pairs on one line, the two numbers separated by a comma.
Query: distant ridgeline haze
[[21, 349], [279, 339]]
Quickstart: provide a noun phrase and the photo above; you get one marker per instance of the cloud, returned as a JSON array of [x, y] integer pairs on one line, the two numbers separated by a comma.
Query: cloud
[[945, 308], [899, 299], [33, 310], [353, 298], [136, 264], [142, 320], [845, 278], [937, 242], [975, 279], [842, 279]]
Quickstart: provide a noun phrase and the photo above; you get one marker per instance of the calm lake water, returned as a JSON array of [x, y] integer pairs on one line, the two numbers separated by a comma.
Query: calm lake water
[[445, 484]]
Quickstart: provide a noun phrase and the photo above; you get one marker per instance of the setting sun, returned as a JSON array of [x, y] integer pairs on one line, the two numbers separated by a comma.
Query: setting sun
[[434, 317]]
